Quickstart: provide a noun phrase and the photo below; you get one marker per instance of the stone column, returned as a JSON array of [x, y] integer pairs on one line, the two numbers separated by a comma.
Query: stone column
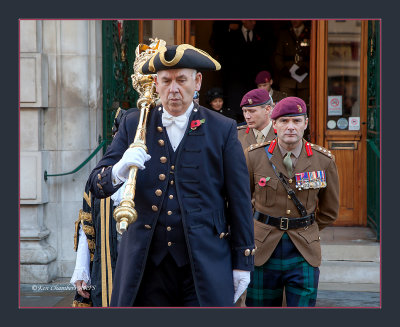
[[37, 256], [61, 121]]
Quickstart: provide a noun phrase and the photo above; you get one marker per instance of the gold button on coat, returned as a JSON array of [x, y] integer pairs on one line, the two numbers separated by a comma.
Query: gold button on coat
[[289, 197], [154, 208], [161, 177], [171, 182], [171, 196], [169, 228], [158, 192], [290, 181], [221, 235], [247, 252], [147, 226], [169, 212], [163, 159], [159, 128], [99, 176], [288, 211], [172, 167], [253, 251], [161, 142], [169, 243]]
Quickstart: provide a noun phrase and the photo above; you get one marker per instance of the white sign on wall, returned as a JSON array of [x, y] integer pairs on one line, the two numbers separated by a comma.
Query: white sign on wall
[[334, 105], [354, 123]]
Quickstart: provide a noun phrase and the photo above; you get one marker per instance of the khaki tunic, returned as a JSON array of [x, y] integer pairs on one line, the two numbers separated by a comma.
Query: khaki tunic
[[247, 139], [278, 96], [272, 199]]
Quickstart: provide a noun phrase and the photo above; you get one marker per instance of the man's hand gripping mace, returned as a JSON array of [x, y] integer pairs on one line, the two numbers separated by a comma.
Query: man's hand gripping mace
[[125, 213]]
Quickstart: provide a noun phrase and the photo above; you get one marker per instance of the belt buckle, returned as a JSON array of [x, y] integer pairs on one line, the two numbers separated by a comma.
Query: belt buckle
[[281, 225]]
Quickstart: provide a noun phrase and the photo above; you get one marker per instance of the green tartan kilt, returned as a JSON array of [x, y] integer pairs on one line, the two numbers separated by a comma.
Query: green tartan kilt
[[286, 269]]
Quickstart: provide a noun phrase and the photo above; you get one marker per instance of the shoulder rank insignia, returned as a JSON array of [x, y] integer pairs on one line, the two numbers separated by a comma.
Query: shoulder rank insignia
[[322, 150], [258, 145], [272, 146], [241, 127]]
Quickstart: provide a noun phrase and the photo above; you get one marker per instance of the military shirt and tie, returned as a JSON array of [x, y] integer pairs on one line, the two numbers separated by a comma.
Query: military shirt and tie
[[288, 243], [248, 136]]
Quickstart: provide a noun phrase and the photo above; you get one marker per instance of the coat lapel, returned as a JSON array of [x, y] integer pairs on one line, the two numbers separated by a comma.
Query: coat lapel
[[303, 162], [250, 138], [195, 115], [277, 160]]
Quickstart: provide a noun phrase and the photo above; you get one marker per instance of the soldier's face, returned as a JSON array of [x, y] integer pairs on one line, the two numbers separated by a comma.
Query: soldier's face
[[266, 86], [176, 89], [257, 117], [290, 130]]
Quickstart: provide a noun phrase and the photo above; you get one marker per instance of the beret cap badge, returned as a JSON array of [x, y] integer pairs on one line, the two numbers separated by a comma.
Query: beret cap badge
[[250, 101], [299, 107]]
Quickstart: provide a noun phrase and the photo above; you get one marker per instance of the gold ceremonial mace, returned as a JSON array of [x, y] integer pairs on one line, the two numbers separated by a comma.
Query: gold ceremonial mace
[[125, 213]]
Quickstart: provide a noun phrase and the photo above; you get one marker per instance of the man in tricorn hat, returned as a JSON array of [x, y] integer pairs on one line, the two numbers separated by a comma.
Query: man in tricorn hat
[[256, 106], [186, 247], [290, 179]]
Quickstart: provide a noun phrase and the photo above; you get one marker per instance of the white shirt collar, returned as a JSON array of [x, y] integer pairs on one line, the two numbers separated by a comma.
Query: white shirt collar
[[187, 112]]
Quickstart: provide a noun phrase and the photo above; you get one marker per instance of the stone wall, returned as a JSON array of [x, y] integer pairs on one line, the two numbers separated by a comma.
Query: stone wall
[[60, 122]]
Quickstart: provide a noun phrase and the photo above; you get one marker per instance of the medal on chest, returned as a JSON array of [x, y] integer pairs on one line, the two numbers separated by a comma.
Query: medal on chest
[[310, 180]]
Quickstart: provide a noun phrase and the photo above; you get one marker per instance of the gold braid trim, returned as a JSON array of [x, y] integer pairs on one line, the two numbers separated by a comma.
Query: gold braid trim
[[76, 234], [88, 230], [91, 245], [88, 199], [180, 50], [85, 216], [77, 304]]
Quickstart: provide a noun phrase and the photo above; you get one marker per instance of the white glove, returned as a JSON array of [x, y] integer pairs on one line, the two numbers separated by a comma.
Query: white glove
[[241, 279], [132, 157], [117, 196]]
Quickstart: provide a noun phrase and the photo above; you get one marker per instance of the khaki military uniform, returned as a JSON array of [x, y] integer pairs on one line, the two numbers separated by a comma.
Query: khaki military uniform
[[247, 138], [278, 96], [272, 199]]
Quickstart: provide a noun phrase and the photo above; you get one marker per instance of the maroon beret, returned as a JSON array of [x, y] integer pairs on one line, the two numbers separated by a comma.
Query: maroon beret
[[290, 106], [263, 77], [255, 97]]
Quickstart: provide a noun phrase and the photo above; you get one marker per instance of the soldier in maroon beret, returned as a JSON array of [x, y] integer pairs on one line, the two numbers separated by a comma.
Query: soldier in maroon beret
[[264, 81], [256, 106], [295, 192]]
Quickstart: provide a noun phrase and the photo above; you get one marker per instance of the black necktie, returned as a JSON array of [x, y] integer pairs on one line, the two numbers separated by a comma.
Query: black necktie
[[248, 35]]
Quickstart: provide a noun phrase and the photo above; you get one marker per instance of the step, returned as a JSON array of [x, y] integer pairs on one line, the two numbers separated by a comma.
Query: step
[[363, 252], [349, 272]]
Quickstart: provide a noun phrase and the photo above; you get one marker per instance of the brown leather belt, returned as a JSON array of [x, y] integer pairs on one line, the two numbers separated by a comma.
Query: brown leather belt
[[284, 223]]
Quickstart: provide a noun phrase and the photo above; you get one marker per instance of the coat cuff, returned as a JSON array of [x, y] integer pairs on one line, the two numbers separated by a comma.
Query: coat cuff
[[102, 184], [243, 257]]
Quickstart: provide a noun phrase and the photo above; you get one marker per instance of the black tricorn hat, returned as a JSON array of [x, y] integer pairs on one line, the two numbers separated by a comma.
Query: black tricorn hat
[[179, 56]]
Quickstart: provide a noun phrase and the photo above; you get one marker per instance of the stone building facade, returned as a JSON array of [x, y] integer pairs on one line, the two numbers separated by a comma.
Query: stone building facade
[[60, 125]]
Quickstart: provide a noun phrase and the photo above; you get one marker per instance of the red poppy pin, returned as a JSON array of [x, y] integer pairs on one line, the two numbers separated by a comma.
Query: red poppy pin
[[196, 123], [263, 181]]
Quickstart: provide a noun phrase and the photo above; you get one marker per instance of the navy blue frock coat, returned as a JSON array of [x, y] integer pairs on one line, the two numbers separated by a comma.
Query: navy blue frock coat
[[210, 171]]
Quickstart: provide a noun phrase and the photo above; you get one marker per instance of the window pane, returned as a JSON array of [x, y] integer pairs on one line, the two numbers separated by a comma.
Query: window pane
[[344, 38]]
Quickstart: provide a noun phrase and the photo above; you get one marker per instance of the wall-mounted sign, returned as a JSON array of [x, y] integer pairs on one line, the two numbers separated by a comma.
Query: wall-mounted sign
[[354, 123], [334, 105], [342, 123], [331, 124]]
